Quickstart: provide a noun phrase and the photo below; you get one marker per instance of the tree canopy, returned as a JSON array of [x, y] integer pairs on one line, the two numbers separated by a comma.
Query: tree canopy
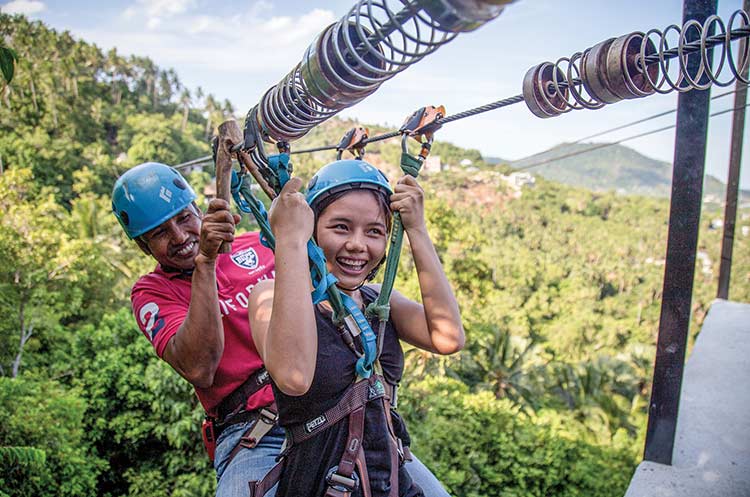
[[559, 288]]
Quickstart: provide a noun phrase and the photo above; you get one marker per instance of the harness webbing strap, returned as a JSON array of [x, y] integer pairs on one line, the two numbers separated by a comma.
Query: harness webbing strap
[[381, 307], [342, 479], [263, 421], [358, 395], [396, 452], [259, 488], [235, 401]]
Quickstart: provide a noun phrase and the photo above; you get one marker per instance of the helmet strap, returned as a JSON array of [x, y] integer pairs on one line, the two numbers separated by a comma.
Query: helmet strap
[[142, 244]]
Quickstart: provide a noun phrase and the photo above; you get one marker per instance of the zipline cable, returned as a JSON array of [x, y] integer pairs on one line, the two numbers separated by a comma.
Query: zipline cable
[[468, 113]]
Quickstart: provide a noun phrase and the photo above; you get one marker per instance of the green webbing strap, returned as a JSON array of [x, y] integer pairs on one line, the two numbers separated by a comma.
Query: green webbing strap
[[381, 307]]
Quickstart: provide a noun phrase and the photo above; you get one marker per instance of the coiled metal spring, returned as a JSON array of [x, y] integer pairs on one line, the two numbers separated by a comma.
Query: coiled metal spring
[[638, 64], [350, 59]]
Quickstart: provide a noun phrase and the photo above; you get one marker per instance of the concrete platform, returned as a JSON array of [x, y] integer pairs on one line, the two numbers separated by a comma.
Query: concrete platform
[[712, 446]]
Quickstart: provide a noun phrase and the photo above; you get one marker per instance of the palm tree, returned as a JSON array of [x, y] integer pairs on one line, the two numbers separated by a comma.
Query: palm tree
[[185, 102], [210, 109], [601, 392], [505, 364]]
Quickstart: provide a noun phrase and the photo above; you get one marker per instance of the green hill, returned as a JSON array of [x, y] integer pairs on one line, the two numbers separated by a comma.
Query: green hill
[[611, 167]]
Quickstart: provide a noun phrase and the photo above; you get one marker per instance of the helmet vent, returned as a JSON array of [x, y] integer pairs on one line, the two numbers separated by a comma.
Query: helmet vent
[[179, 183], [125, 218], [312, 183]]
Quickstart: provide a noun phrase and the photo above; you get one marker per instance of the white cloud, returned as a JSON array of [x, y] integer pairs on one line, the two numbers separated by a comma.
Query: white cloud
[[166, 8], [26, 7]]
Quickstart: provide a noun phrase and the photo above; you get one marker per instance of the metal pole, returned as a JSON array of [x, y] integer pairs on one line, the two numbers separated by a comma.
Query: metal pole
[[682, 241], [733, 180]]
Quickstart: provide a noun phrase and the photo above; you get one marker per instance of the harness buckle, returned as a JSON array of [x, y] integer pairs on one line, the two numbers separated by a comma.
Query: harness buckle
[[340, 482], [262, 425]]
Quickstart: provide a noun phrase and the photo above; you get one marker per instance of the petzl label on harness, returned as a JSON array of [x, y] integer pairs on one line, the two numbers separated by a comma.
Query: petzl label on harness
[[375, 390], [311, 425], [262, 378]]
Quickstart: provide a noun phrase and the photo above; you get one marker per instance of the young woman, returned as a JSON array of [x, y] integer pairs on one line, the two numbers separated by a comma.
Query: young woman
[[347, 208]]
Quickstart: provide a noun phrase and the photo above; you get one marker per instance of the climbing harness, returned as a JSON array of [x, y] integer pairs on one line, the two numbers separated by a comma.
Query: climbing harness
[[276, 170], [350, 473], [232, 411]]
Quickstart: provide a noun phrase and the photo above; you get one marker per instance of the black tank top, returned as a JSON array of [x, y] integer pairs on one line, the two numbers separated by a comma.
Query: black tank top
[[309, 462]]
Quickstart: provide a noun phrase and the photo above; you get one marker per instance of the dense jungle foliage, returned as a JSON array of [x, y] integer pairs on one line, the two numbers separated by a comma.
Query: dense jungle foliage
[[559, 289]]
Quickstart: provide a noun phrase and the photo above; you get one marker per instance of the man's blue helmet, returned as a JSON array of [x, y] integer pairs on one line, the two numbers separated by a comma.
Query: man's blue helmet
[[342, 175], [147, 195]]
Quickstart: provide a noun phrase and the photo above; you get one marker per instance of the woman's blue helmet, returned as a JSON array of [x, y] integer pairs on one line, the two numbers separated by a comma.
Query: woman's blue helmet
[[342, 175], [147, 195]]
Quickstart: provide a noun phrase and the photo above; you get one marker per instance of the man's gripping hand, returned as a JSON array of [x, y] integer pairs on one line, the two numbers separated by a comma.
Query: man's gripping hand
[[217, 227]]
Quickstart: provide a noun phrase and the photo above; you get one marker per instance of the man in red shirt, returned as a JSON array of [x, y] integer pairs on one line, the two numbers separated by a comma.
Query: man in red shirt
[[193, 309]]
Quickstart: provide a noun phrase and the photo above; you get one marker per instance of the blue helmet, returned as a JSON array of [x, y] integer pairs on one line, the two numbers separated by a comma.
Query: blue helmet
[[147, 195], [342, 175]]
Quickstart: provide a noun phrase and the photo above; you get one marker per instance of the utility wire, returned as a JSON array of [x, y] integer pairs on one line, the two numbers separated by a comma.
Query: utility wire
[[605, 145], [645, 119]]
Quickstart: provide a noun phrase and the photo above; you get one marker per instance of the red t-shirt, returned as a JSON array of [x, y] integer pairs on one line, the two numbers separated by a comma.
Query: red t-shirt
[[160, 303]]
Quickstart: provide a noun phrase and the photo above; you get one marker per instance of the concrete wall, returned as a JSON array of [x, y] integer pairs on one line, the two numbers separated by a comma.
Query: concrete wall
[[711, 456]]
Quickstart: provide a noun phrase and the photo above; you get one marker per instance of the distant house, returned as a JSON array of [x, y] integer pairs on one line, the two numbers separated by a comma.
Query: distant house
[[519, 179], [193, 168], [715, 224], [705, 260], [432, 164], [466, 162], [745, 230], [209, 191]]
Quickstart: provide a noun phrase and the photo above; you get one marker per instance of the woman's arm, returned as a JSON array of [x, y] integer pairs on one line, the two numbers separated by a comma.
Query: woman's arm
[[282, 319], [434, 325]]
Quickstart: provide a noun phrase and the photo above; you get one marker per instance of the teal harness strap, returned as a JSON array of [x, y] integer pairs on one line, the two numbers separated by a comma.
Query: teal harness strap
[[249, 203], [381, 308], [345, 310]]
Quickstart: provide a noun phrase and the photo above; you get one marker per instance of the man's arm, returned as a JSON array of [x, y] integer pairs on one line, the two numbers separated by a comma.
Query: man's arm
[[196, 349]]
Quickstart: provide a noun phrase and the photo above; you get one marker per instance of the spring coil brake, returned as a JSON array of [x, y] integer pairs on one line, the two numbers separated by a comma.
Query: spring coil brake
[[351, 58], [640, 64]]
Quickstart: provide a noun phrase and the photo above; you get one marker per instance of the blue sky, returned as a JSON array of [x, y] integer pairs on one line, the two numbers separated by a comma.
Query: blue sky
[[238, 49]]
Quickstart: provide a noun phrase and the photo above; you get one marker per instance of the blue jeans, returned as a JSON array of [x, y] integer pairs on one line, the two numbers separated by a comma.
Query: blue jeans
[[423, 477], [253, 464], [248, 465]]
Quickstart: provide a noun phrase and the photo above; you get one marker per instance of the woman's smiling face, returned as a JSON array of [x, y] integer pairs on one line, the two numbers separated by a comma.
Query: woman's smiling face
[[352, 232]]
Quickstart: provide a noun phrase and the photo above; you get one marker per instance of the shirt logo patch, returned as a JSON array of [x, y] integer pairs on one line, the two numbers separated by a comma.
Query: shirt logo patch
[[150, 320], [247, 258], [315, 423]]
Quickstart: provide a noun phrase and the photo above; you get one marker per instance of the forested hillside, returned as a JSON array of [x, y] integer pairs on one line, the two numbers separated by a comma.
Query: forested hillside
[[559, 289], [603, 167]]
